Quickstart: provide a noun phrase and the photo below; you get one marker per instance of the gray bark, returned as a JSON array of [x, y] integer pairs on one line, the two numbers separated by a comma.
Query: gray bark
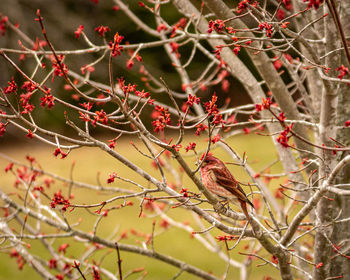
[[341, 235], [326, 210]]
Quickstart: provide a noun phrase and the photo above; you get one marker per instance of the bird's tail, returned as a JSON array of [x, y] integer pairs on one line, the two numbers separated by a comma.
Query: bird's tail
[[245, 211]]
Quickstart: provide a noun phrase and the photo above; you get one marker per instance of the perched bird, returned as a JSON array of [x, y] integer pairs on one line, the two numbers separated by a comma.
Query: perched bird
[[218, 180]]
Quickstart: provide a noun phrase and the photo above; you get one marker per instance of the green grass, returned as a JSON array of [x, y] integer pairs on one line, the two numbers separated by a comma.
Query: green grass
[[89, 163]]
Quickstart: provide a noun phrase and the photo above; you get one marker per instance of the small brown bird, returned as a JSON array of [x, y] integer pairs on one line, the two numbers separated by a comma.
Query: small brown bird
[[219, 181]]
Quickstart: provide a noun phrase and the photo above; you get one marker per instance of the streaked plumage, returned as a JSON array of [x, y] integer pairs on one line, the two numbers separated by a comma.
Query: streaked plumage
[[219, 181]]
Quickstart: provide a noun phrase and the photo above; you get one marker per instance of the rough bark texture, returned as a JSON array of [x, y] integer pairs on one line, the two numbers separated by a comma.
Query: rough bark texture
[[326, 211], [341, 234]]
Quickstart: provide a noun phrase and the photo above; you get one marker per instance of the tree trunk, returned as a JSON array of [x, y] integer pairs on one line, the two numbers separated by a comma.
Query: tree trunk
[[341, 235]]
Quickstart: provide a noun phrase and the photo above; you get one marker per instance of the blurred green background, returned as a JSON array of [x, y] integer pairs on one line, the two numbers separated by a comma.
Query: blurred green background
[[89, 162]]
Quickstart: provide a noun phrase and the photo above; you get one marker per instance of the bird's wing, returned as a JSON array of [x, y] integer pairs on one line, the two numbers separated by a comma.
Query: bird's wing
[[225, 179]]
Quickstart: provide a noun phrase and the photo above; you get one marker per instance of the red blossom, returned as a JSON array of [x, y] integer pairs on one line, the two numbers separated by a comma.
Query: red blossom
[[314, 3], [112, 143], [266, 104], [96, 274], [181, 24], [287, 4], [274, 259], [217, 25], [277, 64], [14, 253], [347, 123], [176, 147], [284, 137], [225, 237], [142, 93], [246, 130], [48, 99], [319, 265], [60, 69], [9, 167], [27, 108], [259, 107], [215, 139], [343, 71], [129, 64], [86, 118], [86, 106], [30, 134], [12, 87], [218, 51], [225, 85], [175, 49], [267, 27], [230, 30], [242, 6], [334, 152], [217, 120], [236, 50], [3, 128], [58, 151], [184, 191], [87, 68], [139, 59], [210, 106], [285, 24], [115, 45], [281, 117], [191, 146], [164, 224], [101, 116], [200, 127], [79, 31], [111, 178], [52, 263], [288, 57], [278, 193], [20, 261], [162, 120], [161, 27], [58, 199], [29, 86], [129, 88], [101, 30], [192, 99], [24, 100], [38, 44], [280, 14], [3, 25], [63, 248]]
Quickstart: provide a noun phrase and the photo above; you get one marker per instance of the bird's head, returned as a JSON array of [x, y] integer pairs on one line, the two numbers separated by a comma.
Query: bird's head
[[210, 160]]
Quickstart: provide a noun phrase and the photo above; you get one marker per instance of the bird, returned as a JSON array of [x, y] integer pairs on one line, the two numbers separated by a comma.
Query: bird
[[219, 181]]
